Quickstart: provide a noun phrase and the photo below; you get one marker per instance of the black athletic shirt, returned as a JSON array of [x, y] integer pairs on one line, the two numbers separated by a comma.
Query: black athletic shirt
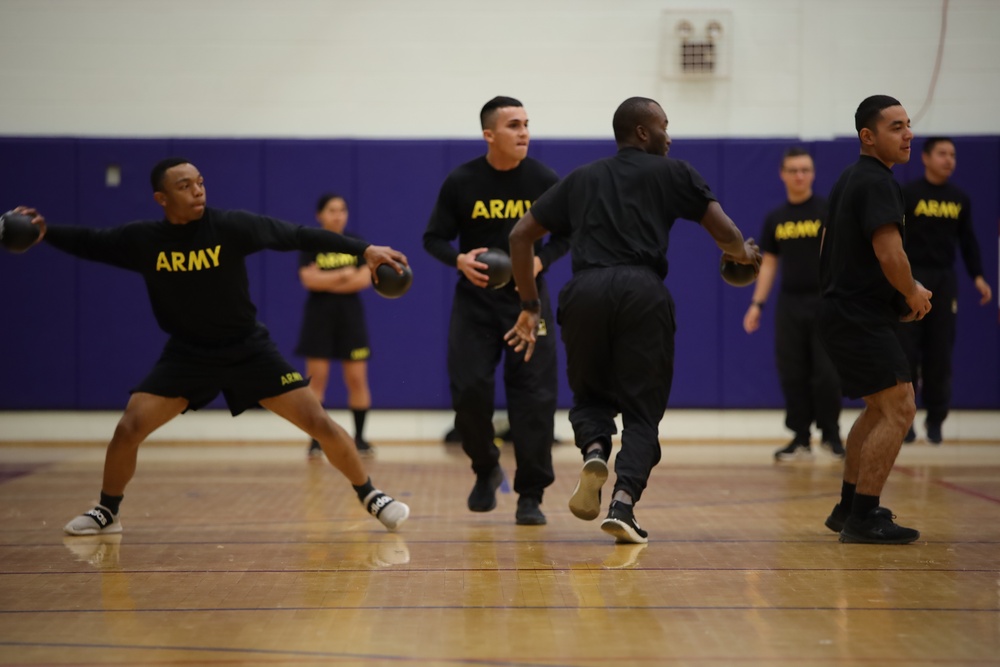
[[480, 206], [195, 273], [331, 261], [937, 216], [865, 198], [793, 232], [620, 209]]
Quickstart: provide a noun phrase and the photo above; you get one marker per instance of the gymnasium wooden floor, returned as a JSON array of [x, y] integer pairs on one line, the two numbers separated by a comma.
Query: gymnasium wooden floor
[[250, 555]]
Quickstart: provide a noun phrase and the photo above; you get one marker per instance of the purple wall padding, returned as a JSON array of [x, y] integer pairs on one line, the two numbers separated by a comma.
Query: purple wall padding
[[79, 335], [39, 305]]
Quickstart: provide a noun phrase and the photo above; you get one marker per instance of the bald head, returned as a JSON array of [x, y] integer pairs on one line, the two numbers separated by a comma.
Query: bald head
[[642, 123]]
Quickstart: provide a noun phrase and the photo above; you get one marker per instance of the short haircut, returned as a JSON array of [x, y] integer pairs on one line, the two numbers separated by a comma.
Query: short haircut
[[632, 112], [160, 170], [326, 198], [487, 117], [931, 142], [871, 109], [793, 151]]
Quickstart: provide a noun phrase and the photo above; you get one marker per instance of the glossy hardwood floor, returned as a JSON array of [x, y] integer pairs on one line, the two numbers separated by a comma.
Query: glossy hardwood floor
[[251, 555]]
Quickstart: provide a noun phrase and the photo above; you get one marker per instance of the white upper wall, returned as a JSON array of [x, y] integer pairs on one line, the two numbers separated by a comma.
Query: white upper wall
[[423, 68]]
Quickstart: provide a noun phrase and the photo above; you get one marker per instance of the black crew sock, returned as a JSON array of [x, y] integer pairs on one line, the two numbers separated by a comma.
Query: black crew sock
[[111, 502], [364, 489], [862, 505], [847, 495], [359, 423]]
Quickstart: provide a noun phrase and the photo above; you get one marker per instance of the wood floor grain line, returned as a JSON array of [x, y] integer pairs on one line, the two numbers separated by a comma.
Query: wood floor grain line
[[249, 554]]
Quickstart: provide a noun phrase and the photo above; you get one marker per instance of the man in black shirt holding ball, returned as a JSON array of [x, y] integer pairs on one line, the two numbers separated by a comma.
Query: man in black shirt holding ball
[[616, 315], [193, 264], [479, 203]]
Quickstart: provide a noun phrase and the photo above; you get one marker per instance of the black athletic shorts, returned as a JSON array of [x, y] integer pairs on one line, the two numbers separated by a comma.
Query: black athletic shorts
[[245, 371], [866, 352], [334, 328]]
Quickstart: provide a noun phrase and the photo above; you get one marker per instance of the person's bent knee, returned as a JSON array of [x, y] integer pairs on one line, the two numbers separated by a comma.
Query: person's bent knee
[[128, 432], [898, 405]]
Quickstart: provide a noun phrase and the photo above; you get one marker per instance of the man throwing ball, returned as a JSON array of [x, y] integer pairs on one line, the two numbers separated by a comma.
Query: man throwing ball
[[193, 263]]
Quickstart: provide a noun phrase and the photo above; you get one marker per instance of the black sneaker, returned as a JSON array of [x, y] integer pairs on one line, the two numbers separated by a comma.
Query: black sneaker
[[622, 524], [315, 451], [528, 512], [793, 450], [877, 528], [483, 497], [933, 433], [911, 435], [585, 503], [838, 516], [364, 447], [835, 447]]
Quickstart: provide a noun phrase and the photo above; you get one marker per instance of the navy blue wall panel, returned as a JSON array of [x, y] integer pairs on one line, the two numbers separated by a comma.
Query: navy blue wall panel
[[98, 336], [39, 304], [118, 340], [696, 287], [398, 183], [977, 343], [752, 188]]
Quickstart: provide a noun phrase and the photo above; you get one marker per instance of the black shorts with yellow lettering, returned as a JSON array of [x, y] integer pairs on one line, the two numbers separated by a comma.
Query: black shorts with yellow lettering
[[333, 327], [245, 371]]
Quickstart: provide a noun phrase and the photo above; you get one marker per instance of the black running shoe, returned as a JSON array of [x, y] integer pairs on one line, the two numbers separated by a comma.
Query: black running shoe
[[911, 435], [793, 450], [622, 524], [877, 528], [528, 512], [838, 516], [483, 497], [933, 433]]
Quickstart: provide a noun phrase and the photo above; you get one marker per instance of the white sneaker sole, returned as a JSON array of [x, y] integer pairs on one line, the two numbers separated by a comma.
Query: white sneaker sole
[[585, 503], [78, 527]]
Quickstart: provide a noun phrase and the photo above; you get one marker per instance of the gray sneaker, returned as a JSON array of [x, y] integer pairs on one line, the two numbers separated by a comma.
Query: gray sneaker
[[386, 509], [98, 521]]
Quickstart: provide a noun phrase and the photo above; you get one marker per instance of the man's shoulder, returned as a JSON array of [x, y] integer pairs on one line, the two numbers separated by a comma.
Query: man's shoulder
[[468, 169], [539, 168]]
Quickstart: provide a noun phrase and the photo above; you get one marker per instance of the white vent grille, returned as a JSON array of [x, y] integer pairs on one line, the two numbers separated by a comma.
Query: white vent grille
[[695, 44]]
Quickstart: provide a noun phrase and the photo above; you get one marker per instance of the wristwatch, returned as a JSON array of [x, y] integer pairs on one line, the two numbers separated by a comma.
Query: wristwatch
[[532, 305]]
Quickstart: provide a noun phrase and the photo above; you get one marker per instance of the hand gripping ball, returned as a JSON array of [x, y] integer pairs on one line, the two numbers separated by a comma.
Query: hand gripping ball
[[390, 284], [17, 234], [500, 269]]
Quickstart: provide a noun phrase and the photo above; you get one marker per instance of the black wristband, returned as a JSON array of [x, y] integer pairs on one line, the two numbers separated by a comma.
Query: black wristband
[[532, 305], [759, 304]]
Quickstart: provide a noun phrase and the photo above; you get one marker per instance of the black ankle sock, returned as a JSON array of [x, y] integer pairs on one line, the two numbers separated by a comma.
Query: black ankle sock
[[111, 502], [359, 423], [863, 504], [364, 489], [847, 495]]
